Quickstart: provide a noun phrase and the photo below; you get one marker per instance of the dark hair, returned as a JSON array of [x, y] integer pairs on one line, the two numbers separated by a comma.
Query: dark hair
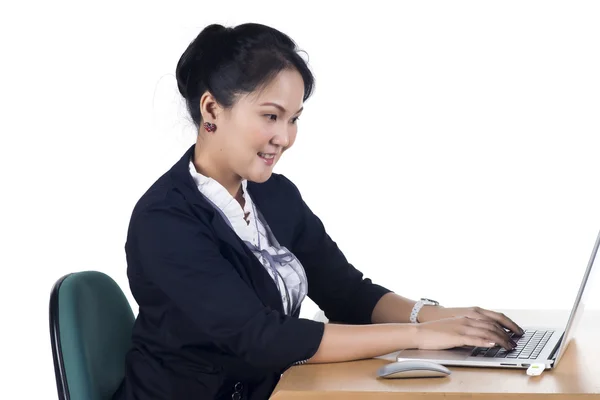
[[234, 61]]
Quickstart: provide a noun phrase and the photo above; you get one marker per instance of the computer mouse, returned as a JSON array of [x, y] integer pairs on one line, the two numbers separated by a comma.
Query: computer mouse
[[413, 369]]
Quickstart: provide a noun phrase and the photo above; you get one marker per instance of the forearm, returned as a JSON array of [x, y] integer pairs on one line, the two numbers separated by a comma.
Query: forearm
[[355, 342], [395, 308], [392, 308]]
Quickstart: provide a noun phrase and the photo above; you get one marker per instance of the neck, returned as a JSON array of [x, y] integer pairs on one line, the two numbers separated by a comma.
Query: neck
[[205, 166]]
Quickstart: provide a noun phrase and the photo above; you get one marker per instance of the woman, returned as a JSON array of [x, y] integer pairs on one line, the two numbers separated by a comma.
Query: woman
[[221, 251]]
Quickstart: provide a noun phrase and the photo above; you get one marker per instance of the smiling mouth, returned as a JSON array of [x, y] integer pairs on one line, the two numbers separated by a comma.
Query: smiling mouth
[[267, 156]]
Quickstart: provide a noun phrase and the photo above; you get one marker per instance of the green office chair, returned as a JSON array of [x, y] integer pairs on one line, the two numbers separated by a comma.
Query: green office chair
[[90, 330]]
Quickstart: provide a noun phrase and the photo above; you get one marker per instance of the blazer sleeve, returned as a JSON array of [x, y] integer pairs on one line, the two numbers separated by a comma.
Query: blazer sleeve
[[182, 258], [339, 289]]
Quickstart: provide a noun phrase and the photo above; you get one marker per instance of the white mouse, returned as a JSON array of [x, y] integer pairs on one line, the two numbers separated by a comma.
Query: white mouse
[[413, 369]]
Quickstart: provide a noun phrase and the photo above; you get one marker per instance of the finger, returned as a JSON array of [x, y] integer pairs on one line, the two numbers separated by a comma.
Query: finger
[[482, 317], [484, 329], [503, 320], [490, 324], [490, 332], [492, 338], [477, 341], [489, 316], [501, 329], [478, 315]]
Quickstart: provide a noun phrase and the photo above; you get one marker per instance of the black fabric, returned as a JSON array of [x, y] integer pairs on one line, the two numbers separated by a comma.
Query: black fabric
[[210, 315]]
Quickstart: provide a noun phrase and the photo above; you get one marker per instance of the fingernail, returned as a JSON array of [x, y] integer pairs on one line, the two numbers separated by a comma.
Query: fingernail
[[492, 344]]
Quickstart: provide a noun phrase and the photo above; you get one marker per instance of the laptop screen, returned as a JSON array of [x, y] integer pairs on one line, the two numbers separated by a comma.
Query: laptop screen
[[578, 307]]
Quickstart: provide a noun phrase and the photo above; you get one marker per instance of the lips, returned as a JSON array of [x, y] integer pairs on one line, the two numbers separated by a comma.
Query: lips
[[267, 156]]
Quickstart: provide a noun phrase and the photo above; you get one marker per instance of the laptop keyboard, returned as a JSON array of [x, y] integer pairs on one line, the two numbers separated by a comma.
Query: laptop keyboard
[[529, 346]]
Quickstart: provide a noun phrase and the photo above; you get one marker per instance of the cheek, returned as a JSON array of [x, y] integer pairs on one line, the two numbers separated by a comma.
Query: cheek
[[254, 141], [251, 140], [260, 137]]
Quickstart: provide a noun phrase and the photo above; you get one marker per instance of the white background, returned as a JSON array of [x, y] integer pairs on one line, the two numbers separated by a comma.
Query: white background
[[450, 148]]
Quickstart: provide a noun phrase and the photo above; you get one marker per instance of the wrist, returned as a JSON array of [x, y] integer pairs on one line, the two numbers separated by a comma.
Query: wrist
[[416, 310], [429, 313], [410, 333]]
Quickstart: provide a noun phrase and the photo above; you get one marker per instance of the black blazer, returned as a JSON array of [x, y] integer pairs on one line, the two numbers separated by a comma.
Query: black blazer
[[210, 316]]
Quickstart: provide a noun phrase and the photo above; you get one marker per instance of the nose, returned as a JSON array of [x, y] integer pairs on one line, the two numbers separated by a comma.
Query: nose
[[281, 138]]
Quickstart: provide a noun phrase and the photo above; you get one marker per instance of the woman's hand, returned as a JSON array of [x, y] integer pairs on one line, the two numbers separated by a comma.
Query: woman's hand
[[434, 313], [461, 331]]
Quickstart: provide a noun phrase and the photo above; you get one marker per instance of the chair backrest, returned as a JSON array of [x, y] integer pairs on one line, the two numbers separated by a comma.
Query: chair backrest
[[90, 329]]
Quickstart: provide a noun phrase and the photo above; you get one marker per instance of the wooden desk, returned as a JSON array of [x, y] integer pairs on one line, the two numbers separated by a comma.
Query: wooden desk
[[577, 376]]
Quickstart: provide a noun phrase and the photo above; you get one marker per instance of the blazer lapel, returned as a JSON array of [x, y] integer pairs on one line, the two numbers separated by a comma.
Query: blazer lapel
[[226, 234], [184, 181], [269, 202], [253, 270]]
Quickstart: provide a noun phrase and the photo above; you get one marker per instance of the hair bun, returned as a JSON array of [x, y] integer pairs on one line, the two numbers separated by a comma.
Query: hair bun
[[229, 62], [201, 58]]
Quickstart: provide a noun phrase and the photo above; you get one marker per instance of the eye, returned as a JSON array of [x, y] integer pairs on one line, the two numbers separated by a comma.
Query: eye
[[273, 117]]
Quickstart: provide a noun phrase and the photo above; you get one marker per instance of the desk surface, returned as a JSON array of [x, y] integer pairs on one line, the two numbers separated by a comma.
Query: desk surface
[[576, 376]]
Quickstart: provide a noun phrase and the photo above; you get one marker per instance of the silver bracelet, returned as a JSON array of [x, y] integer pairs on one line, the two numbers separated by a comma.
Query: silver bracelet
[[417, 307]]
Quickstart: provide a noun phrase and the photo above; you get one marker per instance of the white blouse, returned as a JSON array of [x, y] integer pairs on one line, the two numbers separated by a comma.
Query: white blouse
[[283, 267]]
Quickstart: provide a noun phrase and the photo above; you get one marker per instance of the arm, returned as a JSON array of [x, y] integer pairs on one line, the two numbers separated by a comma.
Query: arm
[[395, 308], [355, 342], [334, 284], [179, 255]]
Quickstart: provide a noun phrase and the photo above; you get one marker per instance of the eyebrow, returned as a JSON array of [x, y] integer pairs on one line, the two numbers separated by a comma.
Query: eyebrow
[[283, 110]]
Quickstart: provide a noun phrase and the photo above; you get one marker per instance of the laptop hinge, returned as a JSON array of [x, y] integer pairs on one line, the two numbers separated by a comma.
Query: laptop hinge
[[556, 347]]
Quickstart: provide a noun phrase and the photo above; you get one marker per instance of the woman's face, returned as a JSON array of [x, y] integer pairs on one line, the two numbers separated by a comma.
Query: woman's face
[[255, 132]]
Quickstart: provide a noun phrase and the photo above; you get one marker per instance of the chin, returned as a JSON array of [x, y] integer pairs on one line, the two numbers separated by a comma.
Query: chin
[[260, 178], [259, 172], [259, 175]]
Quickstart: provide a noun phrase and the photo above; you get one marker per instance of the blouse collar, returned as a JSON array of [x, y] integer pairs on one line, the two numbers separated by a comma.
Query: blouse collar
[[232, 209]]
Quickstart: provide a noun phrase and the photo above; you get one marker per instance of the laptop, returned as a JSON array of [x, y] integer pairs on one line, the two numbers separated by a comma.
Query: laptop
[[539, 344]]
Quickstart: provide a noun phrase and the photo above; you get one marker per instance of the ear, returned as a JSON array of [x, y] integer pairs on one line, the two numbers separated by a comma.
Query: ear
[[209, 107]]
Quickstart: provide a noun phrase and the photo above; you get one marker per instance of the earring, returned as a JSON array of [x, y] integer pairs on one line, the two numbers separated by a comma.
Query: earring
[[210, 127]]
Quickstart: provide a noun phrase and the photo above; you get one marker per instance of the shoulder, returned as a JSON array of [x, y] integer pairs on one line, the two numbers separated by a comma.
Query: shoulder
[[161, 194], [167, 205], [174, 189]]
